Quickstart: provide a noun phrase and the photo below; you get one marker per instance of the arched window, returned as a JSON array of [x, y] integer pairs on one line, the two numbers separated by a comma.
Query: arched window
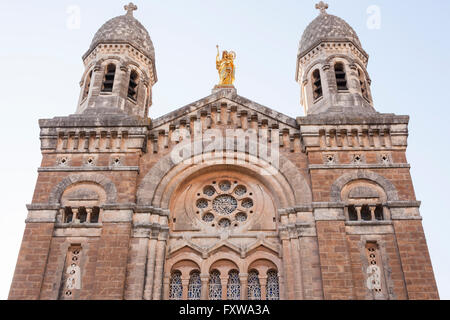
[[366, 215], [215, 286], [195, 286], [176, 287], [108, 81], [68, 215], [254, 288], [87, 85], [317, 85], [82, 214], [363, 84], [234, 286], [132, 87], [273, 286], [352, 213], [379, 213], [341, 77]]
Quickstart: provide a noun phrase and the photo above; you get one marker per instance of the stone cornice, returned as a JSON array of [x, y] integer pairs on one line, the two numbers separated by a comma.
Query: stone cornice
[[360, 166], [86, 169]]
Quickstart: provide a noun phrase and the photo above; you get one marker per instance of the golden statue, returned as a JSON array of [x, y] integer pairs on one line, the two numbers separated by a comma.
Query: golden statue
[[226, 67]]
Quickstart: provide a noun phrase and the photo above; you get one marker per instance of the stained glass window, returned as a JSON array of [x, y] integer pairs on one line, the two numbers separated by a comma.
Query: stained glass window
[[215, 286], [254, 288], [273, 287], [195, 286], [234, 286], [176, 287]]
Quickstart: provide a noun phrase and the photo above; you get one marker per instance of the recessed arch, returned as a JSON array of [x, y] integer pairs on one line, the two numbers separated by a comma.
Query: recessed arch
[[104, 182], [389, 188]]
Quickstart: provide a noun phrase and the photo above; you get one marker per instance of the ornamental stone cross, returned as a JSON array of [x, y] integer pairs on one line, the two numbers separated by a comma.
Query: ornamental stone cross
[[130, 8], [322, 6]]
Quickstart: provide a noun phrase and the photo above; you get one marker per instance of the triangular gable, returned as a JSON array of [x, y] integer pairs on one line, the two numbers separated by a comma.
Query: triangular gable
[[204, 106]]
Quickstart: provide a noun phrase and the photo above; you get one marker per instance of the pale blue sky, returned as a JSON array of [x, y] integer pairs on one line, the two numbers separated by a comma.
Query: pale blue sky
[[41, 69]]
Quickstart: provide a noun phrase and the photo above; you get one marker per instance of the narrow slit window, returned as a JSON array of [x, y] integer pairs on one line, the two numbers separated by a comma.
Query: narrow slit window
[[341, 77], [82, 215], [363, 84], [68, 215], [108, 82], [365, 213], [95, 215], [133, 85], [317, 85], [352, 214], [379, 213], [87, 85]]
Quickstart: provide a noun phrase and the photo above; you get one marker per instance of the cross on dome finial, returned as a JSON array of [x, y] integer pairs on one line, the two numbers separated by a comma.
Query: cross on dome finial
[[130, 8], [322, 6]]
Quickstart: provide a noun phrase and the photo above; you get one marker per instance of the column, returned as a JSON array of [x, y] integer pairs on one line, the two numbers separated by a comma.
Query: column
[[89, 213], [297, 267], [372, 212], [185, 284], [287, 264], [166, 287], [224, 282], [358, 211], [151, 256], [75, 215], [205, 280], [263, 283], [243, 277], [159, 266]]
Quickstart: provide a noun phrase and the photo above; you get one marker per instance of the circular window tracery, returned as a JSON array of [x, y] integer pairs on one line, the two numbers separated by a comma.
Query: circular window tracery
[[240, 191], [225, 198], [225, 205], [209, 191], [202, 204], [225, 186]]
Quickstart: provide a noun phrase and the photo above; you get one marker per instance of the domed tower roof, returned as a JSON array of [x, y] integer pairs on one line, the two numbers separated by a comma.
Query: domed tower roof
[[125, 29], [327, 27]]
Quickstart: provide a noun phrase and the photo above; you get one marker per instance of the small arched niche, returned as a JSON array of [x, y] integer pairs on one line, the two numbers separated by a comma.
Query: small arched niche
[[81, 204], [365, 201]]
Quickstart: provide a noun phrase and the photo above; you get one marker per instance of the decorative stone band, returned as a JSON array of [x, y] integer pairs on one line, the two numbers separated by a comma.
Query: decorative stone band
[[87, 169], [359, 166], [297, 230], [334, 211]]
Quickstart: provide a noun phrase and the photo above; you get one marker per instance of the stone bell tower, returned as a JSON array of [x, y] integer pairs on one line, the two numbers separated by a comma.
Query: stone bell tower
[[119, 68], [75, 244], [371, 241], [331, 67]]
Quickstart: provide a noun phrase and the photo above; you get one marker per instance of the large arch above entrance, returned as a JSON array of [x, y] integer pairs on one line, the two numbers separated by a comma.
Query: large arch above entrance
[[288, 186]]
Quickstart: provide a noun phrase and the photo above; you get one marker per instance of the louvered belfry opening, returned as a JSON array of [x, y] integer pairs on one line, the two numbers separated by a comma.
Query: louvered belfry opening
[[341, 77], [108, 82], [317, 85], [132, 88]]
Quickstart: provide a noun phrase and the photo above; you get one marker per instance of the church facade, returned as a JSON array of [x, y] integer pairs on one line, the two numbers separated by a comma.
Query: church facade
[[224, 198]]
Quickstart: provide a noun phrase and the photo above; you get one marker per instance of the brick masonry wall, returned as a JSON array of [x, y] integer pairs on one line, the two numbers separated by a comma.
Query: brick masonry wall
[[51, 288], [416, 262], [335, 261], [111, 264], [32, 261]]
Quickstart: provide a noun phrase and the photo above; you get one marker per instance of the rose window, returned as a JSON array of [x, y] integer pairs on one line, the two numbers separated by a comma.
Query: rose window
[[224, 203]]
